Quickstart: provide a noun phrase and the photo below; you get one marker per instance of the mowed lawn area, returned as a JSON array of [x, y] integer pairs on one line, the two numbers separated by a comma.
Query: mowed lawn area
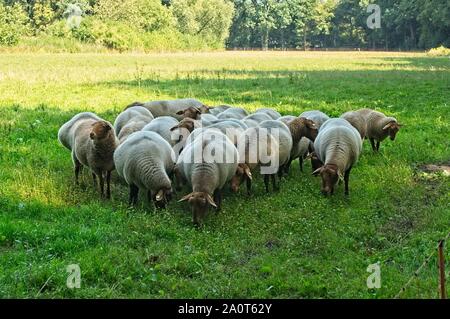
[[293, 243]]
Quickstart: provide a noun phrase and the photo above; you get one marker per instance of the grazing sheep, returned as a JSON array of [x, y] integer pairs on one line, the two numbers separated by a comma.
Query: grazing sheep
[[136, 112], [163, 125], [267, 146], [338, 145], [134, 125], [92, 142], [299, 150], [304, 132], [231, 128], [208, 119], [233, 113], [145, 161], [274, 115], [178, 109], [357, 120], [216, 110], [208, 174], [378, 127], [317, 116], [257, 118]]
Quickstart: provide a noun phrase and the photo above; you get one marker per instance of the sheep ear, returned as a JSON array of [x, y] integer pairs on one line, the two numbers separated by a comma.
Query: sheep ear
[[185, 198], [180, 112], [317, 171], [399, 125], [387, 126], [211, 201], [160, 195], [173, 128], [197, 110], [92, 135]]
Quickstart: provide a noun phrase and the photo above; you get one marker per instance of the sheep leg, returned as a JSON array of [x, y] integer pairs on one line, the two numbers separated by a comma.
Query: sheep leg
[[378, 145], [102, 183], [266, 182], [218, 199], [274, 183], [108, 184], [134, 191], [94, 178], [287, 167], [77, 168], [300, 162], [346, 178], [372, 142], [280, 171]]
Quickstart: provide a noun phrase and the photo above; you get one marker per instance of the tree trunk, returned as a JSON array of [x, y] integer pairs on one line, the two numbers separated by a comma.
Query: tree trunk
[[304, 38], [265, 39]]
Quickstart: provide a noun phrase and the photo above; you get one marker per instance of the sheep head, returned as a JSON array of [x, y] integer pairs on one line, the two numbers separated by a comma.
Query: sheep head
[[162, 197], [242, 174], [190, 112], [316, 163], [330, 177], [204, 108], [200, 202], [186, 123], [101, 130], [302, 126], [392, 129]]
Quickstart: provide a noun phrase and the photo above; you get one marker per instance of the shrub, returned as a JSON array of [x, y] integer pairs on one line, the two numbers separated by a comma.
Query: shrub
[[439, 51], [13, 24]]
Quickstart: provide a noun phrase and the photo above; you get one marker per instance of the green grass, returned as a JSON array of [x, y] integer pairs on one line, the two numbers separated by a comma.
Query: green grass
[[293, 244]]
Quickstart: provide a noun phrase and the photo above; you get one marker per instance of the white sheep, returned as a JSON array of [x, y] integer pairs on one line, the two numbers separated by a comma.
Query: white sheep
[[163, 125], [92, 142], [338, 146], [179, 108], [216, 110], [274, 115], [136, 112], [145, 161], [233, 113], [134, 125], [378, 127], [207, 164], [257, 118]]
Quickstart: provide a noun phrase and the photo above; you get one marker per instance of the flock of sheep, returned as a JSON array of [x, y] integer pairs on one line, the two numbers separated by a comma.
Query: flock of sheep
[[161, 145]]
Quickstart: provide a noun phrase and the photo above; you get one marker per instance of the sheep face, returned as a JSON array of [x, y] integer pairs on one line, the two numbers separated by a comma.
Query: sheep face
[[100, 130], [190, 112], [330, 177], [162, 197], [200, 202], [242, 174], [392, 129]]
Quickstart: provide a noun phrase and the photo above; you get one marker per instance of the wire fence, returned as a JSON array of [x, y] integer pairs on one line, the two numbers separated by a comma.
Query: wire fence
[[427, 269]]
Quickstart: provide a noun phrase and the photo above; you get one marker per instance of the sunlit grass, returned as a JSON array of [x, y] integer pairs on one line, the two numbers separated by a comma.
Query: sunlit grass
[[293, 243]]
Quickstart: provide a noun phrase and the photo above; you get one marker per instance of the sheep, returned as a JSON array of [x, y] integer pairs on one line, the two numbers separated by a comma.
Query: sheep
[[378, 127], [267, 146], [163, 125], [257, 118], [317, 116], [136, 112], [207, 119], [357, 120], [92, 142], [178, 109], [300, 149], [207, 173], [233, 113], [232, 129], [338, 145], [274, 115], [216, 110], [134, 125], [300, 128], [145, 161]]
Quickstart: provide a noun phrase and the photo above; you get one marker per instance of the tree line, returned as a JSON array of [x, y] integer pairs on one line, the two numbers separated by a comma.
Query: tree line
[[188, 24]]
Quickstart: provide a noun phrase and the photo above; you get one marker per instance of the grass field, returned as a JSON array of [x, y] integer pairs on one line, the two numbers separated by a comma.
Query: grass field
[[290, 244]]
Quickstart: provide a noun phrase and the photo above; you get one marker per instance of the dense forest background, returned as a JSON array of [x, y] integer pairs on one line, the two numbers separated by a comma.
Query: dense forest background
[[209, 24]]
